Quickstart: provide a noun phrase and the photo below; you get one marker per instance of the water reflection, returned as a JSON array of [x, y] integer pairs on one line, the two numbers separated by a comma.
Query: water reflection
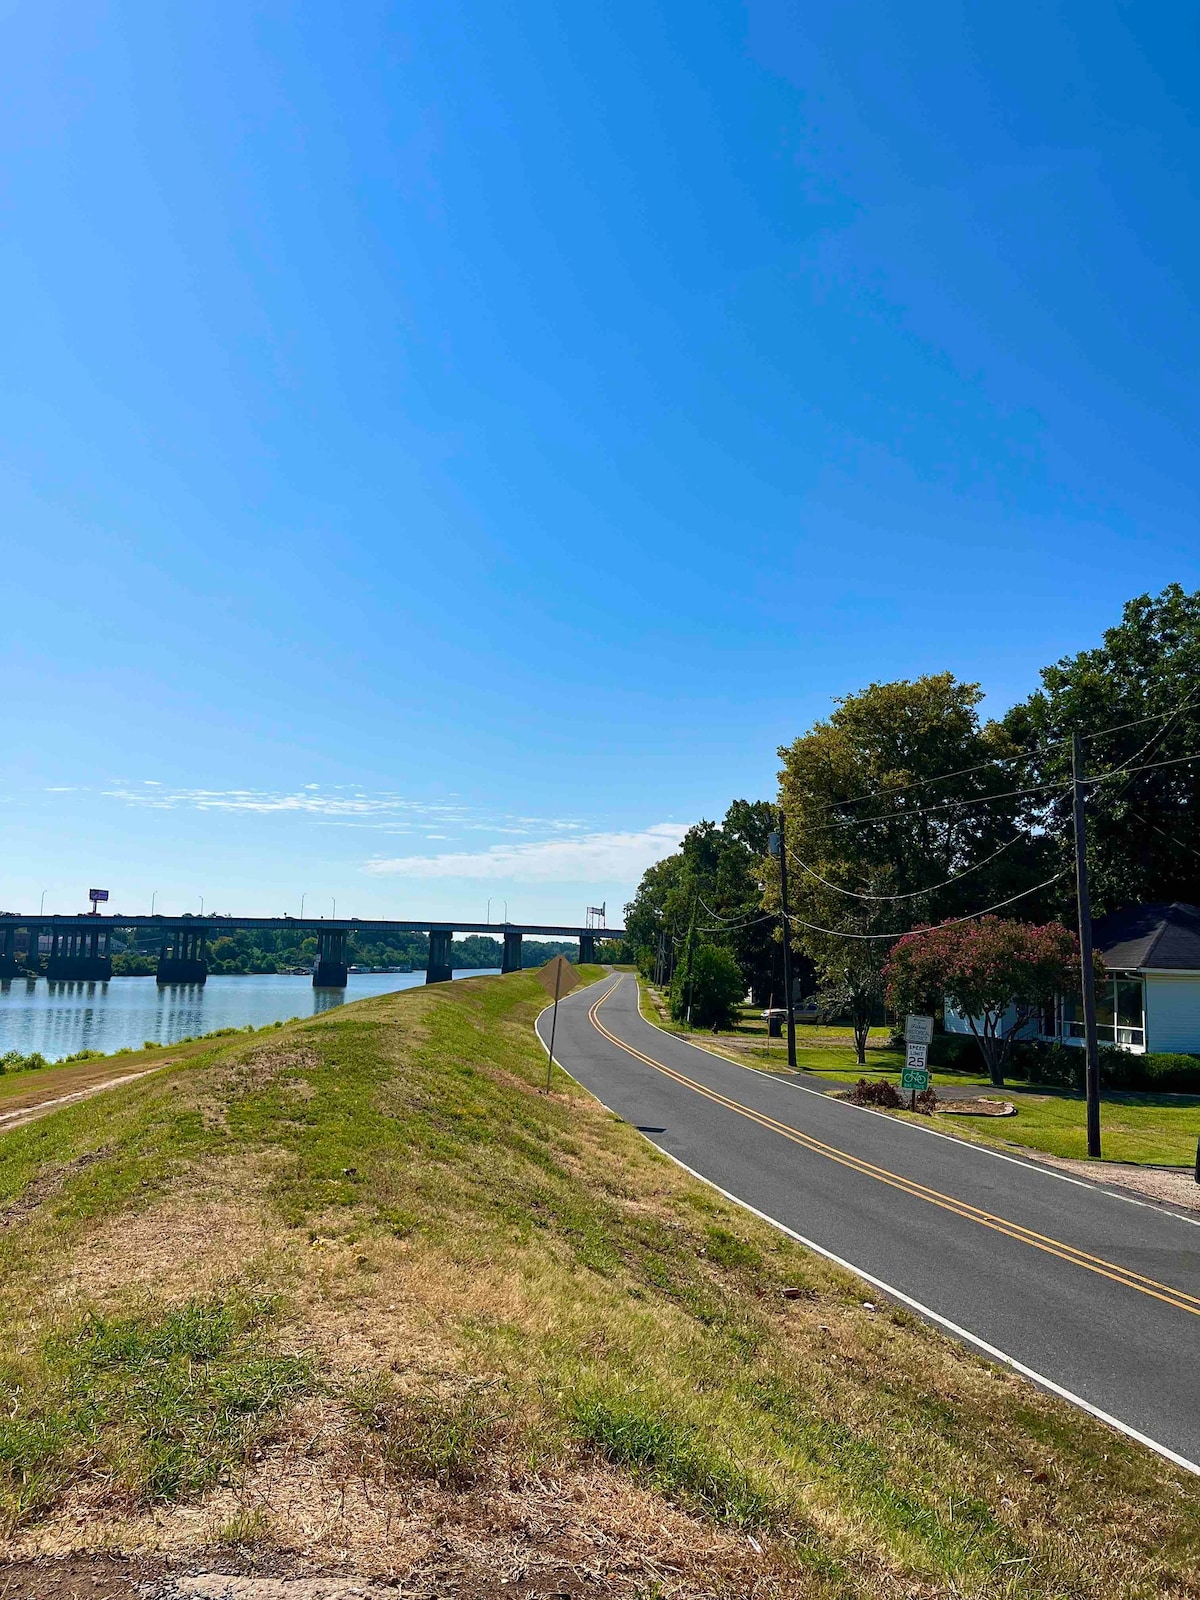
[[66, 1015]]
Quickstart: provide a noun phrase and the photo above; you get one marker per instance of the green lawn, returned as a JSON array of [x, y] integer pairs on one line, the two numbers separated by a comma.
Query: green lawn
[[1155, 1129]]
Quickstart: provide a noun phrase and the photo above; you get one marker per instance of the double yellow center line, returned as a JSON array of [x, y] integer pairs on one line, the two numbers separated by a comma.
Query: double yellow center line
[[1178, 1298]]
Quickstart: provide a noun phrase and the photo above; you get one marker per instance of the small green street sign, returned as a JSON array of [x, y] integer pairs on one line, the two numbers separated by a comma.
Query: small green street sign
[[914, 1078]]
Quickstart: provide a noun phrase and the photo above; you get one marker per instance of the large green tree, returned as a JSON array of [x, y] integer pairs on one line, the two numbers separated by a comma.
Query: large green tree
[[899, 813], [719, 874], [1144, 826]]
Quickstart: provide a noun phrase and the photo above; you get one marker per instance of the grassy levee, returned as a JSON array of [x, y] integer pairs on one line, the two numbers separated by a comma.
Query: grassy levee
[[359, 1292]]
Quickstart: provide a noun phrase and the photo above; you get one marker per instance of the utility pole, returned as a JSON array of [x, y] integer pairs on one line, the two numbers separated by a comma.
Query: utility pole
[[788, 997], [691, 945], [1086, 970], [777, 846]]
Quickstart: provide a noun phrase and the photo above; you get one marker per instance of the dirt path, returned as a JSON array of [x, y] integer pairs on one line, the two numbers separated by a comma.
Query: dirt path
[[61, 1086]]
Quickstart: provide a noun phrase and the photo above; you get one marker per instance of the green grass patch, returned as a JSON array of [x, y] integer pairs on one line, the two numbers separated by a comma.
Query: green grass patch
[[675, 1458], [158, 1406], [1151, 1129]]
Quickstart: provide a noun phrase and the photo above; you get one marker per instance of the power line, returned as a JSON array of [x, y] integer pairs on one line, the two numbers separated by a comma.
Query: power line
[[1151, 766], [717, 914], [951, 922], [1006, 794], [739, 927], [943, 805], [914, 894], [1170, 837], [726, 925], [1020, 755], [1157, 734]]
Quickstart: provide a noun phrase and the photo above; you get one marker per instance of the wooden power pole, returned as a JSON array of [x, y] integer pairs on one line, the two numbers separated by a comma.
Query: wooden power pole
[[1087, 974], [788, 997]]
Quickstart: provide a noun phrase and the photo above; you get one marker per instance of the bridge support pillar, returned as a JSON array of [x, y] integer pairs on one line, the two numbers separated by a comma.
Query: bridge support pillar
[[183, 956], [438, 968], [8, 951], [511, 959], [78, 955], [587, 947], [330, 971]]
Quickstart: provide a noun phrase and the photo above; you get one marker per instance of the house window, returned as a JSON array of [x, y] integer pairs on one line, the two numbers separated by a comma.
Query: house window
[[1120, 1012]]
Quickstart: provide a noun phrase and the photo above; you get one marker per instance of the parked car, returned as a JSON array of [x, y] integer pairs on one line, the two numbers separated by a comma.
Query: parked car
[[802, 1011]]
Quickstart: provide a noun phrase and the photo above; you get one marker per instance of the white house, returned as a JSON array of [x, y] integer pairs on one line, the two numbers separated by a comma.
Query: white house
[[1152, 999]]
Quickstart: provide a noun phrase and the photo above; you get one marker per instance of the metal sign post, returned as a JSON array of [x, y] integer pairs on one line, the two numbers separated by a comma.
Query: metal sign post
[[557, 977], [914, 1075]]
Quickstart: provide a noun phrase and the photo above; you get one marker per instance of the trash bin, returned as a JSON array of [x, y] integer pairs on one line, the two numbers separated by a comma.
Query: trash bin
[[775, 1025]]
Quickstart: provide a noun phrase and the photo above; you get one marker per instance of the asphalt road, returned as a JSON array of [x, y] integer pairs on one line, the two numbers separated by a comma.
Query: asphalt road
[[1092, 1293]]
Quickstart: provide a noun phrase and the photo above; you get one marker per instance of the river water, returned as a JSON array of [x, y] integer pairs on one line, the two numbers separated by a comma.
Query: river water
[[59, 1018]]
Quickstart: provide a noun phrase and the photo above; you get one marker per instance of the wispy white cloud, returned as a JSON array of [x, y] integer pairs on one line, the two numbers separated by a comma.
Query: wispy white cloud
[[310, 800], [585, 858], [343, 805]]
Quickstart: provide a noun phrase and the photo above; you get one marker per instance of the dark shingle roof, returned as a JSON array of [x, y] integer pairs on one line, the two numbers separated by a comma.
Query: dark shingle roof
[[1162, 936]]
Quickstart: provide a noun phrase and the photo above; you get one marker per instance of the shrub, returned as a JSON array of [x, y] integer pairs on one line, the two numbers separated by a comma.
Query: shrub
[[1062, 1065], [14, 1061], [1162, 1073], [715, 988], [956, 1052], [875, 1092]]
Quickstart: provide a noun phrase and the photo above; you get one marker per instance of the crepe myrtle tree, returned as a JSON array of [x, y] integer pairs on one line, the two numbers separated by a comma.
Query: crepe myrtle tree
[[994, 972]]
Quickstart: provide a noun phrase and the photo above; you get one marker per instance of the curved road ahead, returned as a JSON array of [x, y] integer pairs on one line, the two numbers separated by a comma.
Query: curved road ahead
[[1092, 1293]]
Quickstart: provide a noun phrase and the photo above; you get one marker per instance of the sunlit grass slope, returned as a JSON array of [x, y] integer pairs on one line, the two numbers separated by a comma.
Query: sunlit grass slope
[[359, 1292]]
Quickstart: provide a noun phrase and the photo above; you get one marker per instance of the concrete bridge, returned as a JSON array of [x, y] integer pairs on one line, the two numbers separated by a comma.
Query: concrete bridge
[[80, 947]]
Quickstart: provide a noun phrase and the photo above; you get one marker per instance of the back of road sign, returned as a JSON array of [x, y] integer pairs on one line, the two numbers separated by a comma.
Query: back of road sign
[[918, 1030], [558, 977]]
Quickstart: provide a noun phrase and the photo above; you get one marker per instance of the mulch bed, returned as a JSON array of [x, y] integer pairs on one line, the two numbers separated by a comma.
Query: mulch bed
[[980, 1106]]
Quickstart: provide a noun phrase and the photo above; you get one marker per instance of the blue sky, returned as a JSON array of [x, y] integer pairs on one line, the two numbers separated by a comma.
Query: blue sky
[[445, 448]]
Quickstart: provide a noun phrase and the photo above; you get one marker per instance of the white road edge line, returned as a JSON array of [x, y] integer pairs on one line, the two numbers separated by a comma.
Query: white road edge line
[[890, 1290], [1162, 1209]]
